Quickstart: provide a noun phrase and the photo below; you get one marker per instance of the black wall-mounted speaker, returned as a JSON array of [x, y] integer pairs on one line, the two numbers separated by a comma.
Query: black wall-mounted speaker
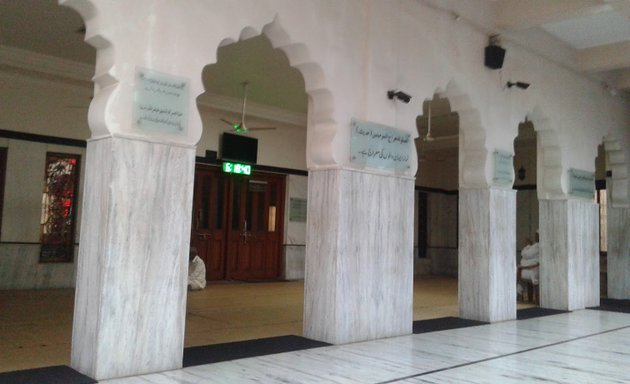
[[494, 57]]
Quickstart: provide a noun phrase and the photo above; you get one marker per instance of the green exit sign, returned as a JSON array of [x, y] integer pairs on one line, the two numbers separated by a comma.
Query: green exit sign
[[239, 169]]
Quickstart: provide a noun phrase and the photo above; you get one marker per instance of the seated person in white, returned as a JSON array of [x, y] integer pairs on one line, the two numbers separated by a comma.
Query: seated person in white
[[196, 271], [529, 266]]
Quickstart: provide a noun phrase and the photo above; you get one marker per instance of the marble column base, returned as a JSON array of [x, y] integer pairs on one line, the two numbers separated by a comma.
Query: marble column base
[[487, 267], [569, 254], [133, 258], [359, 256], [618, 253]]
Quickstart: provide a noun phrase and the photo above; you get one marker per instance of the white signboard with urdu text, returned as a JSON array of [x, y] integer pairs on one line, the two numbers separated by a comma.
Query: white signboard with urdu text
[[380, 146], [160, 102], [503, 168], [582, 183]]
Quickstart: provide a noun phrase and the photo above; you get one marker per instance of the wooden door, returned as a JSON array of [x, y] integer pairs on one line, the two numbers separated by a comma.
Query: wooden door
[[237, 224], [255, 222], [209, 219]]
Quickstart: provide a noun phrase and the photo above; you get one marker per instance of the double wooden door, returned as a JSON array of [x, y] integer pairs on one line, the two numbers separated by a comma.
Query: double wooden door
[[237, 224]]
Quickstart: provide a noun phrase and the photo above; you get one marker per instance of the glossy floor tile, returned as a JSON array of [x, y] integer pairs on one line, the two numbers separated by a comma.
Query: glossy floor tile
[[580, 347]]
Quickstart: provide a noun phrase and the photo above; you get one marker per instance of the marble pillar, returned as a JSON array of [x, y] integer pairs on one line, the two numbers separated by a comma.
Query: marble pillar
[[133, 258], [569, 254], [359, 256], [618, 253], [487, 267]]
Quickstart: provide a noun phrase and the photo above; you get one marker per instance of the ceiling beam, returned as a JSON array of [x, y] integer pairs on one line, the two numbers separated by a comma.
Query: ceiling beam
[[605, 57], [519, 14]]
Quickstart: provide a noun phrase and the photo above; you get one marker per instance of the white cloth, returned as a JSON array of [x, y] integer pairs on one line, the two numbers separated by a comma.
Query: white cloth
[[530, 256], [196, 274]]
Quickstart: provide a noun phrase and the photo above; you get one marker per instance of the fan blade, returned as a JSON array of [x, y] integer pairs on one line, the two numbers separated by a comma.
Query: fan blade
[[227, 122], [261, 129]]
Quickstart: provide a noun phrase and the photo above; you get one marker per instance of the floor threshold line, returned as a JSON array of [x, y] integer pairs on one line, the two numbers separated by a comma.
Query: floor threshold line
[[500, 356]]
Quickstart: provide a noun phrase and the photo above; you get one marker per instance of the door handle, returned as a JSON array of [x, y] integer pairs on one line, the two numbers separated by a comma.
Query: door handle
[[204, 235], [245, 234], [198, 219]]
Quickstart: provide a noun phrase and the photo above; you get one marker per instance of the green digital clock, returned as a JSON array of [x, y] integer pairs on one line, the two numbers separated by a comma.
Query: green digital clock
[[237, 168]]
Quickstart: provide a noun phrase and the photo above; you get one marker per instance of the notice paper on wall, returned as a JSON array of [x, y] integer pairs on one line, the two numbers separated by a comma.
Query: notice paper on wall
[[160, 102], [380, 146], [297, 210]]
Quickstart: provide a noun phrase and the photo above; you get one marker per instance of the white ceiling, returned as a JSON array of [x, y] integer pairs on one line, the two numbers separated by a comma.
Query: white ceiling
[[601, 28], [595, 35]]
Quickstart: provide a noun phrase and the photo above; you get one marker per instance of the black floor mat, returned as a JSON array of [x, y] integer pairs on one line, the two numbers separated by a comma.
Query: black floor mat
[[613, 305], [59, 374], [443, 323], [250, 348], [530, 313]]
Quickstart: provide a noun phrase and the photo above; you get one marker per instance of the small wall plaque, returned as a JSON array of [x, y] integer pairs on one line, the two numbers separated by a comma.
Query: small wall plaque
[[160, 102], [380, 146], [297, 210], [582, 183], [503, 168]]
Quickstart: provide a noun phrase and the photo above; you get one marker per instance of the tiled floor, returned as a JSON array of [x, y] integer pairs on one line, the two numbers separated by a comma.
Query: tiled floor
[[36, 325], [585, 346]]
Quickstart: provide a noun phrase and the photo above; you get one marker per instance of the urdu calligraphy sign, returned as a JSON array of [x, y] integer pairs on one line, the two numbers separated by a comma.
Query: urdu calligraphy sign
[[380, 146], [503, 168], [582, 183], [160, 102]]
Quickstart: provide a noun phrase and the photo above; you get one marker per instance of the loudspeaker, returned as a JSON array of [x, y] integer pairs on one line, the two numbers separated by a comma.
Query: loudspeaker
[[494, 57]]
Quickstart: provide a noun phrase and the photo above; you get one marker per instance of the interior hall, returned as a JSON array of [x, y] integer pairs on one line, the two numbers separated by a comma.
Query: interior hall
[[279, 191]]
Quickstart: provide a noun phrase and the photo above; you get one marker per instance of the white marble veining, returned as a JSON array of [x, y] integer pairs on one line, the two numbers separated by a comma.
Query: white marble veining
[[596, 359], [131, 277], [618, 253], [584, 346], [569, 254], [359, 271], [487, 269]]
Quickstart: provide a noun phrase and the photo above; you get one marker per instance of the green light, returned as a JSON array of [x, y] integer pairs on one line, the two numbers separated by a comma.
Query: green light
[[237, 168]]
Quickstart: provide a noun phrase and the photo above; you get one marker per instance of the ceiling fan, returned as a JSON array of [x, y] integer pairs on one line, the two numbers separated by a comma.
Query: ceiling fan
[[240, 127], [428, 137]]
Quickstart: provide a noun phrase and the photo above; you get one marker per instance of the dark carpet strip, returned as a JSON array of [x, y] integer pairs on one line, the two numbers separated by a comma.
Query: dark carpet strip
[[443, 323], [59, 374], [530, 313], [250, 348], [613, 305]]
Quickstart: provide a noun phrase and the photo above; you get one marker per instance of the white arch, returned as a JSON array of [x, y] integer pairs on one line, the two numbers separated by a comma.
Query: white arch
[[549, 162], [472, 137], [321, 127]]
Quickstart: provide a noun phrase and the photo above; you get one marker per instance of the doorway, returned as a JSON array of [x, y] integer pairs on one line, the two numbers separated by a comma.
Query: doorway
[[237, 224]]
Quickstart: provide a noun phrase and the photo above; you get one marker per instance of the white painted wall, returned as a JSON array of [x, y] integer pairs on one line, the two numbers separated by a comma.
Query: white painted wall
[[40, 104], [283, 147], [351, 53], [19, 242]]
